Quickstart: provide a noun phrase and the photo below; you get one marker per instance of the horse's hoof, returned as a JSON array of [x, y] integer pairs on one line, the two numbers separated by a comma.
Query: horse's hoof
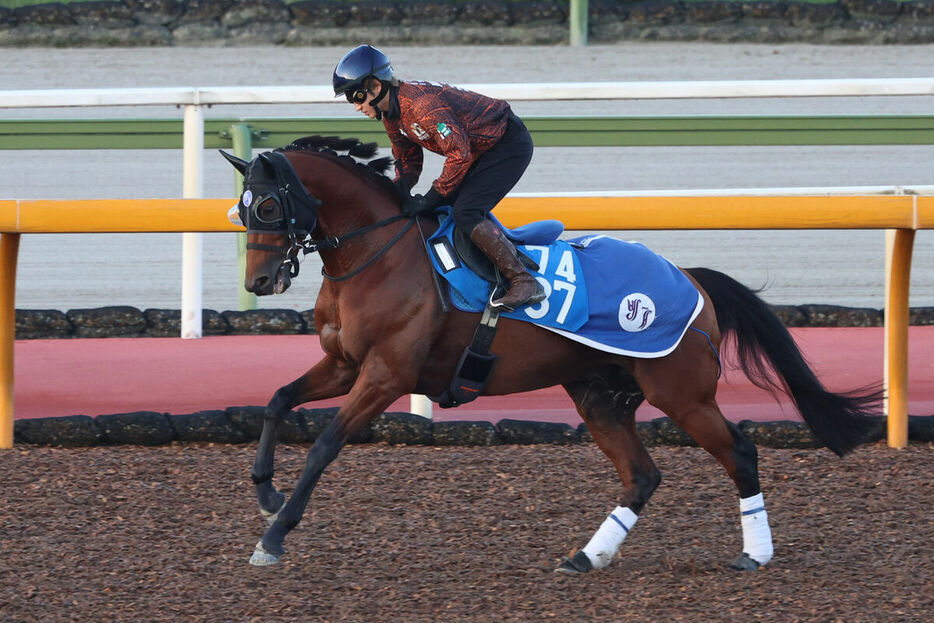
[[262, 557], [744, 563], [270, 516], [577, 564]]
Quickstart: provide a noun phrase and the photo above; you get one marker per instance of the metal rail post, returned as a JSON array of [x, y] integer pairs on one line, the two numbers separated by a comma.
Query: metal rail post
[[243, 148], [9, 249], [899, 243], [192, 243], [577, 18]]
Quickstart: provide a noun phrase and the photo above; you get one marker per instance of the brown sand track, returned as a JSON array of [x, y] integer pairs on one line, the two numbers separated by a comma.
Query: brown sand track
[[457, 534]]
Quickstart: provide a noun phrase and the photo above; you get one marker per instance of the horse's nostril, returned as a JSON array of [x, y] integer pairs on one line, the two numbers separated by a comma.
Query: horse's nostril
[[259, 283]]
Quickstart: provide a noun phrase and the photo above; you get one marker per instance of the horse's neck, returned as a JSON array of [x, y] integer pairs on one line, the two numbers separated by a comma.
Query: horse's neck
[[348, 201], [353, 211], [349, 204]]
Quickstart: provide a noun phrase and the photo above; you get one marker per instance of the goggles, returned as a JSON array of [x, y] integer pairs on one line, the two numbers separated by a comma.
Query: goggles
[[357, 96], [276, 202], [264, 212]]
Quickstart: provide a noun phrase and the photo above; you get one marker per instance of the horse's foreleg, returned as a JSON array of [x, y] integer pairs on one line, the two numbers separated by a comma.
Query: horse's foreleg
[[609, 413], [325, 449], [326, 379], [370, 396]]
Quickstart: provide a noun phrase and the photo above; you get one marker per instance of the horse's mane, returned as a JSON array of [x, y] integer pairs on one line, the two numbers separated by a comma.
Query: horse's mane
[[349, 151]]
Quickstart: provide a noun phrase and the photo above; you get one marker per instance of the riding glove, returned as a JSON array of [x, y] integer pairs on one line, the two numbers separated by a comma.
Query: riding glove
[[402, 188], [421, 205]]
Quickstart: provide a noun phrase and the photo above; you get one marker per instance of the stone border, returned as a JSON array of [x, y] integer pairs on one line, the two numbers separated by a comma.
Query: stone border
[[126, 321], [236, 425], [457, 22]]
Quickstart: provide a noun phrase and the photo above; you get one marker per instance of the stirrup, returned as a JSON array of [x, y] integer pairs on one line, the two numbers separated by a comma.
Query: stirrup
[[538, 297]]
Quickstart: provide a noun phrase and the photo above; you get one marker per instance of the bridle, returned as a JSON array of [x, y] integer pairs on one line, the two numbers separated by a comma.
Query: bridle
[[296, 217]]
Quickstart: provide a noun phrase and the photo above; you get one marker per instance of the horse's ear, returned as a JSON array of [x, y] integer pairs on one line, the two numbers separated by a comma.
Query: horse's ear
[[238, 164]]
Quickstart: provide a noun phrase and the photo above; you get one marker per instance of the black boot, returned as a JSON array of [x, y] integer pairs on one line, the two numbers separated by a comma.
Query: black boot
[[524, 289]]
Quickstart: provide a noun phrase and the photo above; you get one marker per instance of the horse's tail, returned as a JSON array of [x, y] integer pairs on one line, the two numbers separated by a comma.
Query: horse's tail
[[770, 358]]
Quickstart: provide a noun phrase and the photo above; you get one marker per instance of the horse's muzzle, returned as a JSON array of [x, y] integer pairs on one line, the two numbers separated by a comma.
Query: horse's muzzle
[[264, 284]]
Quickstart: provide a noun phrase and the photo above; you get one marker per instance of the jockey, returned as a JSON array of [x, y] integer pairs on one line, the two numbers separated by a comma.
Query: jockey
[[485, 145]]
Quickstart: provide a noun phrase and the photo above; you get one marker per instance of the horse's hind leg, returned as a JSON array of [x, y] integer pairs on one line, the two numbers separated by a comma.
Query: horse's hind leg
[[684, 387], [738, 455], [608, 407], [328, 378]]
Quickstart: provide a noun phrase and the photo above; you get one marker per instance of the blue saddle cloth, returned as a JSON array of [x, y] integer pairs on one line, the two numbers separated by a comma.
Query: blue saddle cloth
[[611, 295]]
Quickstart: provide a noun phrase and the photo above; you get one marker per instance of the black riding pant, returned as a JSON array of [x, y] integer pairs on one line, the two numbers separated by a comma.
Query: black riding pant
[[492, 175]]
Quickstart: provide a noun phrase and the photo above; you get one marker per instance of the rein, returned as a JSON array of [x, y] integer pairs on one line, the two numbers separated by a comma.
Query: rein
[[309, 245], [299, 218], [378, 254]]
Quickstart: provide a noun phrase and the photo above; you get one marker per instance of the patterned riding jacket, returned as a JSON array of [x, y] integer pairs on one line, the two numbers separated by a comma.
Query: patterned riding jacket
[[455, 123]]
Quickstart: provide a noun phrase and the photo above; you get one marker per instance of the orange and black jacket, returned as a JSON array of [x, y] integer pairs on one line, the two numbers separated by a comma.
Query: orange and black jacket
[[455, 123]]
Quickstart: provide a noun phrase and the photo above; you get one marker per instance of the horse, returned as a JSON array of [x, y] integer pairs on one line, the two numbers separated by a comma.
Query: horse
[[386, 333]]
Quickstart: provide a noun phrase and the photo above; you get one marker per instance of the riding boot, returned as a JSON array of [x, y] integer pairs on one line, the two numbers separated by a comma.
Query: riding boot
[[524, 289]]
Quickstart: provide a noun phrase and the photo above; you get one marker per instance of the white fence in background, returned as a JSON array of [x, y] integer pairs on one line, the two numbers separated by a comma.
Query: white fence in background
[[193, 100]]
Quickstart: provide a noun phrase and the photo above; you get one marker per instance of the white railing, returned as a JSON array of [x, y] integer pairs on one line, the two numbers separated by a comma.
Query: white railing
[[194, 99], [555, 91]]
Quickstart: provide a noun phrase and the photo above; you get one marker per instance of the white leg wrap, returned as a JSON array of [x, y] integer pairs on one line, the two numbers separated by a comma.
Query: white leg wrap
[[609, 536], [757, 536]]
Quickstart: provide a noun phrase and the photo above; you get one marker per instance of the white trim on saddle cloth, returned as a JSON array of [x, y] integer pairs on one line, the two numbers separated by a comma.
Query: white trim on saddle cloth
[[629, 353]]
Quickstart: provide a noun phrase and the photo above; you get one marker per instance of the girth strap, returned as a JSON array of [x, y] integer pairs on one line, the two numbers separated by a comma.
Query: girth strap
[[475, 366], [486, 330]]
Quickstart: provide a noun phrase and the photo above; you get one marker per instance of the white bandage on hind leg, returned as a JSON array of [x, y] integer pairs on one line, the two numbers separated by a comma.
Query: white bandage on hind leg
[[609, 536], [757, 536]]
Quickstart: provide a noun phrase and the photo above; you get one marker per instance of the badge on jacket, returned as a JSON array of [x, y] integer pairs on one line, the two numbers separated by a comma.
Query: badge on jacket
[[444, 130], [419, 132]]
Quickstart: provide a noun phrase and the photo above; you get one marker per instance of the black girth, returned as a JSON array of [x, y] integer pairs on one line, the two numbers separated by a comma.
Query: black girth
[[475, 366]]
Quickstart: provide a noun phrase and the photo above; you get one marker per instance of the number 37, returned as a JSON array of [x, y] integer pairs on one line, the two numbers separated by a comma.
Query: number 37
[[565, 270]]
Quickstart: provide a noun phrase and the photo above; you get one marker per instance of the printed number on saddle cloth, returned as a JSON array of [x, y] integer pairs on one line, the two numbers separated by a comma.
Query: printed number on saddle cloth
[[565, 285], [566, 306]]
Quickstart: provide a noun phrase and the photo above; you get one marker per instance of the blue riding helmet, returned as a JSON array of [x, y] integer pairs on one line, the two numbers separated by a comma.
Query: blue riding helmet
[[360, 63]]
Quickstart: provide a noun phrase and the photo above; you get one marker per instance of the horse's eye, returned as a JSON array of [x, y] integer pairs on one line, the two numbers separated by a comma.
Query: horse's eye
[[269, 211]]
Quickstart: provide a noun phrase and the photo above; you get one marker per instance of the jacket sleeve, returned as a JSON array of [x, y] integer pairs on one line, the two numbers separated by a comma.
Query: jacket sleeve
[[453, 143], [409, 159]]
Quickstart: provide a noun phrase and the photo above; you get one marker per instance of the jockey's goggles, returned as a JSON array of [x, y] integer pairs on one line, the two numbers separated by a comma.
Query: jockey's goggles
[[357, 96]]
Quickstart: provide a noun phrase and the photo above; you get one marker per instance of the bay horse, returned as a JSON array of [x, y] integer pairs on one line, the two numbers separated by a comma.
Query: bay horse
[[384, 333]]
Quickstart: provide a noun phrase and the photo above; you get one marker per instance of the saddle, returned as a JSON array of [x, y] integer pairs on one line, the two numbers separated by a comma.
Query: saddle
[[537, 233], [476, 363]]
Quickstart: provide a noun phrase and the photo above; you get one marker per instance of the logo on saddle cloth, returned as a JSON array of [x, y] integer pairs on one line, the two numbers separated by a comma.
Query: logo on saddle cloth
[[636, 312]]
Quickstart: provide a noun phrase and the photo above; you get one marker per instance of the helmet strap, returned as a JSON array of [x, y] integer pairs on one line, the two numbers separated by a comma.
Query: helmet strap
[[383, 92]]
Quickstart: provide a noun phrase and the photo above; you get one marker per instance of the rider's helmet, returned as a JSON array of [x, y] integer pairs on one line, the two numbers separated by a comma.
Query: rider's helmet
[[360, 63]]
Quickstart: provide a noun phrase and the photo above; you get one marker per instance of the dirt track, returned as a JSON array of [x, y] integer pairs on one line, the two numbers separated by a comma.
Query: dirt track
[[457, 534]]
